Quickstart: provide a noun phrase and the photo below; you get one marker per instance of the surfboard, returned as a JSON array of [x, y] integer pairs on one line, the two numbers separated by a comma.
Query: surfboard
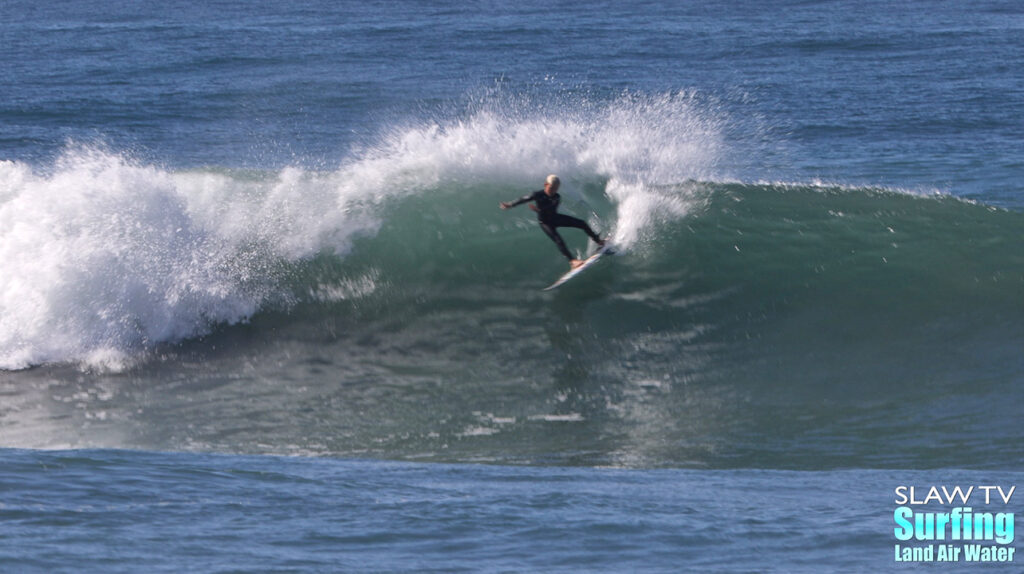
[[605, 249]]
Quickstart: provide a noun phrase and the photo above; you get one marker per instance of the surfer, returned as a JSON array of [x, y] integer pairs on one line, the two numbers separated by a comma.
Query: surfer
[[545, 203]]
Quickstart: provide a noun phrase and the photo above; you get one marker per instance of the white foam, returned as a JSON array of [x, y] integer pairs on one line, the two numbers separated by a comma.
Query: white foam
[[346, 289], [566, 418], [102, 258]]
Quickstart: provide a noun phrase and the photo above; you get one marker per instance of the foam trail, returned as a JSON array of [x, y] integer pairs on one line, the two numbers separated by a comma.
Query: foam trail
[[647, 149]]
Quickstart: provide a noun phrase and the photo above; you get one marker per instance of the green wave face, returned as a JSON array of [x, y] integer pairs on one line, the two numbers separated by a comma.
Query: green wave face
[[720, 336]]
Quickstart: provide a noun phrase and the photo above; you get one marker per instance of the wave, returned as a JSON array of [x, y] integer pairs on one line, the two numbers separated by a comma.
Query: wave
[[106, 258]]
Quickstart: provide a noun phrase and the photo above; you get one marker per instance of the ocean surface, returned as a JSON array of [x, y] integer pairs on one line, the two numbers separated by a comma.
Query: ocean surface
[[259, 310]]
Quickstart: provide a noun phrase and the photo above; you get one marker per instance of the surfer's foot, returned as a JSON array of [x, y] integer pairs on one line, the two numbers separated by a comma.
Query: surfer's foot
[[574, 263]]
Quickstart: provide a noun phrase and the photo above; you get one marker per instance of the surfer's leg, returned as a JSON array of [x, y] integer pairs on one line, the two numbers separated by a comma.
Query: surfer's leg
[[553, 234], [563, 220]]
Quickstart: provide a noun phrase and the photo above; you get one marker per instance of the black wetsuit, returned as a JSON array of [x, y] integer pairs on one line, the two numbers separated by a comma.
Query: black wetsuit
[[550, 220]]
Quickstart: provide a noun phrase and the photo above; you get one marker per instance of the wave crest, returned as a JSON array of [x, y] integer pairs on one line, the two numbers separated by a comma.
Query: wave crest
[[105, 257]]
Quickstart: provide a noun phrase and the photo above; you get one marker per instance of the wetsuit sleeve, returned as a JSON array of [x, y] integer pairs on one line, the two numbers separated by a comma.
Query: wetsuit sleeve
[[524, 199]]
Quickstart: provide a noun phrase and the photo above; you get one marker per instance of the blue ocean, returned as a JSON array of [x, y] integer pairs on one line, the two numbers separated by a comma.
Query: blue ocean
[[260, 310]]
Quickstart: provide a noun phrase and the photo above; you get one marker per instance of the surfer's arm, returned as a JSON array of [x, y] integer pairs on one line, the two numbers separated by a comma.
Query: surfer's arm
[[524, 199]]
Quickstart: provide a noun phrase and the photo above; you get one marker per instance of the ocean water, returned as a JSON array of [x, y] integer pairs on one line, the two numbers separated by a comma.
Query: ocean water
[[259, 310]]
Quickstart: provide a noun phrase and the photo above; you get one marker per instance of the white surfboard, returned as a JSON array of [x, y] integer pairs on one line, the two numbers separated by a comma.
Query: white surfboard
[[605, 249]]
